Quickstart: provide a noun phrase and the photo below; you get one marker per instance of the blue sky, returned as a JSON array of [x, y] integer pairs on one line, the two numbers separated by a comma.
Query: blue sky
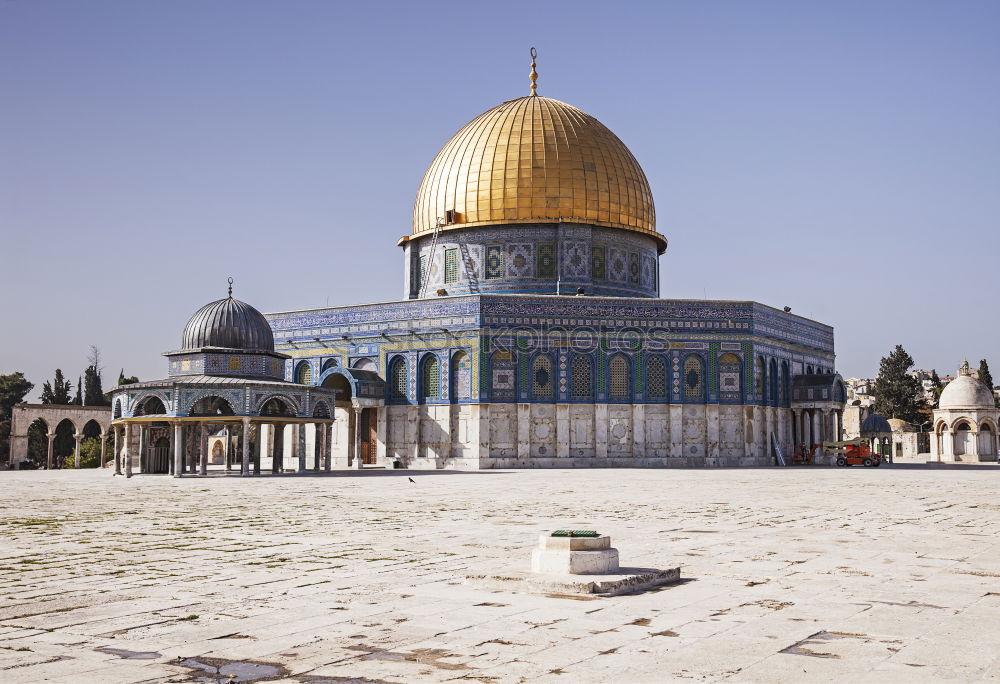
[[840, 158]]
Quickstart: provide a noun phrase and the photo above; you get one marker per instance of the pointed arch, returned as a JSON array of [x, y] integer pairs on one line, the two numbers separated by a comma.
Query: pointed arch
[[460, 376], [656, 377], [619, 379], [430, 377], [398, 384], [582, 385], [694, 379], [304, 373], [541, 377]]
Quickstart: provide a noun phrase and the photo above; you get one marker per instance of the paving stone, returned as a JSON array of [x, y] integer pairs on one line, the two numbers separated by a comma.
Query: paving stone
[[787, 575]]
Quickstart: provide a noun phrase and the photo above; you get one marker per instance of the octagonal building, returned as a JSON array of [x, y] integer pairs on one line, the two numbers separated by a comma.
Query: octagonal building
[[531, 332]]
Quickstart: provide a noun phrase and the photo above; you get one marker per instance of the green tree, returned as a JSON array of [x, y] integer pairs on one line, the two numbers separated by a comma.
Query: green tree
[[122, 380], [936, 386], [90, 454], [93, 391], [58, 391], [986, 378], [897, 394], [13, 388], [78, 399]]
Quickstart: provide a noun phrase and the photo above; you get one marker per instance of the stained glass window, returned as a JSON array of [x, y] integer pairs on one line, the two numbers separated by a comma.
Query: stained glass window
[[541, 377], [397, 376], [494, 262], [546, 267], [694, 379], [597, 266], [582, 373], [422, 271], [432, 378], [656, 377], [619, 377], [305, 374], [450, 265]]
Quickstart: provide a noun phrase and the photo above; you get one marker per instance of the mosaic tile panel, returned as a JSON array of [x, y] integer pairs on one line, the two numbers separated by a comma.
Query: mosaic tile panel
[[494, 262], [520, 262], [633, 269], [546, 267], [597, 263], [617, 265]]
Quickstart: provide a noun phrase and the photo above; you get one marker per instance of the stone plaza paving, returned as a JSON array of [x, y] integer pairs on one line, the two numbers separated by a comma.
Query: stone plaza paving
[[797, 574]]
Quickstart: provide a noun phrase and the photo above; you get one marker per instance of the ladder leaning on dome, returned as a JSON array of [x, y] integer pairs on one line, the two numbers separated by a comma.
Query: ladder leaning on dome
[[425, 276]]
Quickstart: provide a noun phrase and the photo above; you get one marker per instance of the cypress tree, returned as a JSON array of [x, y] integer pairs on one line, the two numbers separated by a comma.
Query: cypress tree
[[898, 394], [986, 378], [58, 391]]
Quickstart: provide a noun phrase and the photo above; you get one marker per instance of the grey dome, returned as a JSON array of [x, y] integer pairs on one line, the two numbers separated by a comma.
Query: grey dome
[[875, 423], [228, 323]]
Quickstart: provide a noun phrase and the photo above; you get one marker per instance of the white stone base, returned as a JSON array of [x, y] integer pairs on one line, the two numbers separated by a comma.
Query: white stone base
[[574, 556]]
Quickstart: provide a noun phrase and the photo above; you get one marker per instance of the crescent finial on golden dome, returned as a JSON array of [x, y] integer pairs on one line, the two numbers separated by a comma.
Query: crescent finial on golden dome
[[534, 74]]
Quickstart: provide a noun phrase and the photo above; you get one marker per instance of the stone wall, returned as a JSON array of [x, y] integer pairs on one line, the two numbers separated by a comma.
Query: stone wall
[[581, 435]]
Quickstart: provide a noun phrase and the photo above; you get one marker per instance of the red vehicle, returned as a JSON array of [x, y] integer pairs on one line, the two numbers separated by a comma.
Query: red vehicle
[[853, 453]]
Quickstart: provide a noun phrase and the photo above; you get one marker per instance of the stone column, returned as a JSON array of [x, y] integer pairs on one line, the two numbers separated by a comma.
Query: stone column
[[128, 449], [117, 454], [278, 448], [328, 449], [203, 449], [358, 461], [258, 446], [318, 441], [795, 428], [48, 459], [76, 452], [143, 447], [817, 426], [104, 447], [178, 448], [245, 469], [300, 431]]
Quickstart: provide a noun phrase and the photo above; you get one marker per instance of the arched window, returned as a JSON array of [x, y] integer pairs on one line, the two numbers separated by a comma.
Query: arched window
[[730, 379], [430, 385], [786, 386], [583, 371], [760, 379], [809, 370], [694, 379], [117, 413], [328, 364], [618, 375], [772, 373], [397, 379], [503, 368], [541, 377], [305, 374], [656, 377], [461, 376]]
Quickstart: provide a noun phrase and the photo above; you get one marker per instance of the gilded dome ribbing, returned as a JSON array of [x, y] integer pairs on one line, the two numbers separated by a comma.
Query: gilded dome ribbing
[[535, 160]]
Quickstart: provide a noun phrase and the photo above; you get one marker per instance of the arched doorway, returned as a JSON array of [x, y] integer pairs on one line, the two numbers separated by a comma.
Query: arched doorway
[[369, 436], [987, 443], [963, 439]]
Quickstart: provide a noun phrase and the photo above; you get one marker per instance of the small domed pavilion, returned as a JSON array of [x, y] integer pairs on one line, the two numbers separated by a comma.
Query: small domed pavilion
[[965, 421], [227, 384]]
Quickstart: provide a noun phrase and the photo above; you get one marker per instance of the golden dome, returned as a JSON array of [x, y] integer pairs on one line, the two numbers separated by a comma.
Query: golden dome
[[535, 160]]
